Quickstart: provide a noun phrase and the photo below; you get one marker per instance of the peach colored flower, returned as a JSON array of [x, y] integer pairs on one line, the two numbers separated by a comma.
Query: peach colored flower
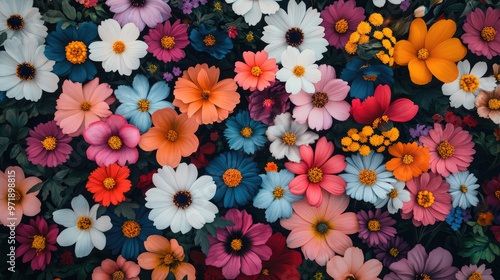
[[488, 104], [121, 269], [352, 266], [257, 72]]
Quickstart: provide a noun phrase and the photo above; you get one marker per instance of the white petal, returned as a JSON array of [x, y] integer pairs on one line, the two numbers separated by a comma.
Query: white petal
[[68, 236], [80, 206], [98, 239], [103, 223], [65, 217], [83, 245], [479, 69]]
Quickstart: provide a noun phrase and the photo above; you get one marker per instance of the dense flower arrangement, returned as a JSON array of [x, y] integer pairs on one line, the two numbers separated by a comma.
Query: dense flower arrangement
[[250, 139]]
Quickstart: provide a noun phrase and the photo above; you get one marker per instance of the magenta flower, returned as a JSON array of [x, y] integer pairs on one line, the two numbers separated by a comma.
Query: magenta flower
[[340, 20], [48, 145], [239, 248], [37, 242], [265, 105], [140, 12], [166, 42], [375, 228], [481, 32], [112, 141]]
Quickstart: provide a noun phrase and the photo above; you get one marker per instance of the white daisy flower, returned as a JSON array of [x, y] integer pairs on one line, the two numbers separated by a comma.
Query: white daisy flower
[[469, 84], [463, 189], [181, 199], [287, 136], [82, 227], [299, 28], [119, 49], [20, 20], [252, 10], [366, 177], [299, 71], [381, 3], [395, 198], [25, 71]]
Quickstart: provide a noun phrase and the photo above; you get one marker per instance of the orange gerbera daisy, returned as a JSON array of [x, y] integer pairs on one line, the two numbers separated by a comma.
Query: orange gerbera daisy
[[201, 95], [172, 135], [109, 183], [430, 53], [410, 160]]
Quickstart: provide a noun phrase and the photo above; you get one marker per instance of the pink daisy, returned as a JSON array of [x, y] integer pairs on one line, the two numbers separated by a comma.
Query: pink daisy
[[353, 266], [481, 32], [140, 12], [47, 145], [451, 149], [113, 140], [119, 269], [166, 42], [315, 172], [340, 20], [318, 108], [321, 232], [474, 272], [429, 199], [257, 72]]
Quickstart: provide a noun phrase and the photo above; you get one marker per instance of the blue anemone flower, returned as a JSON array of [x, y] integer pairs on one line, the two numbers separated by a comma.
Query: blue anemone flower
[[244, 133], [214, 42], [365, 78], [69, 49], [237, 179]]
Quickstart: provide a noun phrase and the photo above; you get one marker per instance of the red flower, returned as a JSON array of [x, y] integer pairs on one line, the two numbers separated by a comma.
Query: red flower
[[437, 118], [199, 159], [470, 121], [232, 31], [377, 109], [492, 191], [67, 258], [496, 232], [204, 271], [214, 136], [146, 182]]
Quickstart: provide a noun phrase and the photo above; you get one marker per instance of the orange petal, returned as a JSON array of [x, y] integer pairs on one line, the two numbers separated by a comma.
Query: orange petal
[[439, 32], [393, 164], [169, 154], [203, 80], [404, 51], [451, 49], [185, 269], [157, 243], [153, 139], [148, 260], [418, 31], [446, 71], [419, 72], [160, 273], [164, 118]]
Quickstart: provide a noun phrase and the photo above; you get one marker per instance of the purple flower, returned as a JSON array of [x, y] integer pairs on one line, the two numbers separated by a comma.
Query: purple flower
[[392, 251], [474, 272], [466, 214], [340, 20], [167, 76], [404, 5], [481, 32], [47, 145], [265, 105], [140, 12], [177, 71], [420, 130], [375, 228]]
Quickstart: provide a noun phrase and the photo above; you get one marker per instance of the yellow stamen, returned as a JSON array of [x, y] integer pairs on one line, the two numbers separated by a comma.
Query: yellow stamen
[[76, 52], [131, 229], [236, 244], [265, 271], [475, 276], [469, 83], [84, 223], [119, 47], [288, 138], [209, 40], [445, 150], [374, 225], [394, 252], [256, 71], [494, 104], [39, 242], [232, 177], [167, 42], [463, 188], [85, 106], [49, 143], [205, 94], [246, 132], [278, 193], [319, 99], [367, 177], [423, 54], [341, 26], [407, 159], [168, 259], [118, 275], [299, 71], [425, 199], [115, 142], [143, 105], [109, 183], [370, 77], [171, 135], [488, 33], [315, 175], [393, 194]]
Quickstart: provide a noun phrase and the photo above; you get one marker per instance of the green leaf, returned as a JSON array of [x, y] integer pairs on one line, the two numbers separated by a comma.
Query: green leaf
[[68, 10], [494, 248], [4, 144], [219, 222], [10, 116], [36, 187], [201, 239], [125, 209], [53, 16], [100, 211], [59, 176], [3, 37], [15, 151], [22, 120], [66, 24]]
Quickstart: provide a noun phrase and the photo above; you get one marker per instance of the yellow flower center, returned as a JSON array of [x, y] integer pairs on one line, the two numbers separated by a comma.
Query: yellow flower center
[[182, 199], [299, 71], [265, 271], [370, 77], [374, 225], [423, 54], [289, 138], [256, 71], [475, 276], [367, 177], [25, 71], [422, 276], [118, 275], [407, 159], [315, 175], [85, 106], [469, 83], [246, 132], [38, 243], [393, 194], [131, 229], [425, 199], [168, 259], [152, 68], [171, 135], [167, 42], [119, 47], [249, 37], [319, 99], [143, 105], [488, 33], [218, 6], [318, 276], [236, 244], [76, 52], [209, 40], [463, 188], [494, 104], [379, 122], [205, 94], [49, 143], [232, 177], [341, 26], [109, 183], [394, 252], [84, 223], [445, 150], [115, 142], [15, 22], [17, 196], [278, 192]]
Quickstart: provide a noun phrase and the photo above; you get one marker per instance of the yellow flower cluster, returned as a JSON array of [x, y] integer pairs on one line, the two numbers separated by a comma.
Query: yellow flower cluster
[[366, 140], [362, 36]]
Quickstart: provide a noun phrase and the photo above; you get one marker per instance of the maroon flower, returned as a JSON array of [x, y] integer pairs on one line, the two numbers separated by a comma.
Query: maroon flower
[[199, 159], [67, 258], [265, 105], [146, 182], [47, 145], [203, 271], [492, 190]]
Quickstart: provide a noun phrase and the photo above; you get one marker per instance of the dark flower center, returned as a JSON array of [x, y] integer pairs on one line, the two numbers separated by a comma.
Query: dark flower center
[[118, 275], [294, 37], [319, 99], [182, 199], [422, 276], [15, 22], [25, 71], [138, 3]]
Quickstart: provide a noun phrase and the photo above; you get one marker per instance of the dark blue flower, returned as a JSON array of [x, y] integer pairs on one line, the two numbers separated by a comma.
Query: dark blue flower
[[243, 133], [214, 42], [127, 236], [237, 179], [69, 49], [365, 78], [2, 96]]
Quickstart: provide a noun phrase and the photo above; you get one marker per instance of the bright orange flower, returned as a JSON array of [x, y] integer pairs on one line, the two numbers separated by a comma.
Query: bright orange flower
[[201, 95], [172, 135], [109, 183], [430, 53], [485, 219], [410, 160]]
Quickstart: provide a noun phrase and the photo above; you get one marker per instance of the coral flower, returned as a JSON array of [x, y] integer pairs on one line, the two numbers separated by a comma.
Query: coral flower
[[353, 266], [121, 269], [47, 145], [163, 257], [481, 32], [257, 72], [109, 183], [432, 52], [410, 160], [315, 172], [321, 232], [201, 95], [488, 104], [167, 41]]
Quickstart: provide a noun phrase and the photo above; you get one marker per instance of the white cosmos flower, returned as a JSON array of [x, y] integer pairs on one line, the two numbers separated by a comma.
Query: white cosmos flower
[[299, 71], [20, 20], [287, 136], [82, 227], [299, 28], [395, 198], [252, 10], [25, 71], [181, 199], [469, 83], [463, 189], [119, 49]]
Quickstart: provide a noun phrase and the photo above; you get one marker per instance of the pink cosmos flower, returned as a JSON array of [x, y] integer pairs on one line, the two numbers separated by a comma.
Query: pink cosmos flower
[[481, 32], [47, 145], [451, 149], [429, 199], [353, 266], [166, 42], [121, 269], [340, 20], [318, 108], [474, 272], [140, 12], [257, 72], [112, 141], [315, 172], [321, 232]]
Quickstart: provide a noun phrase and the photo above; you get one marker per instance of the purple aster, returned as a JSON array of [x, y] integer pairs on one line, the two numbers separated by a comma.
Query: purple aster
[[167, 76], [466, 214], [140, 12], [265, 105], [47, 145], [481, 32], [392, 251], [437, 265], [176, 71], [404, 5], [420, 130], [340, 20], [473, 272], [375, 228]]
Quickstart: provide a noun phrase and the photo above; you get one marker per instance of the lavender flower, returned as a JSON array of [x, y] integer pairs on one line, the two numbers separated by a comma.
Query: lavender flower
[[375, 228], [392, 251], [167, 76], [420, 130], [404, 5], [176, 71]]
